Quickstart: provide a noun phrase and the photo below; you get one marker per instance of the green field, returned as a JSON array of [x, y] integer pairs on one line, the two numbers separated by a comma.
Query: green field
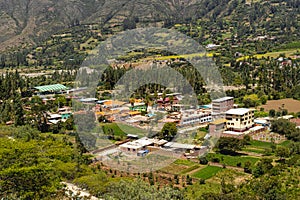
[[173, 169], [187, 56], [184, 162], [132, 130], [185, 171], [122, 129], [207, 172], [287, 53], [255, 150], [197, 190], [260, 144], [285, 143], [181, 166], [233, 160]]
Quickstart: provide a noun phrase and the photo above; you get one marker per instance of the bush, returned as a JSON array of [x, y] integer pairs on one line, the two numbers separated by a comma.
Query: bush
[[217, 160], [203, 161], [202, 181]]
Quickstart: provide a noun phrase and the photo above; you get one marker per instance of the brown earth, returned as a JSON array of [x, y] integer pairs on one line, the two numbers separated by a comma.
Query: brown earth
[[291, 105]]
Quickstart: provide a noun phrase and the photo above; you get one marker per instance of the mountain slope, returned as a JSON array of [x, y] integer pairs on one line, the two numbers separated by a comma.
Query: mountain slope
[[30, 21]]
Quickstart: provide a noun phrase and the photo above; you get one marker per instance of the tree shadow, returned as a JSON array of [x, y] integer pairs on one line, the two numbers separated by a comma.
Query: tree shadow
[[231, 153]]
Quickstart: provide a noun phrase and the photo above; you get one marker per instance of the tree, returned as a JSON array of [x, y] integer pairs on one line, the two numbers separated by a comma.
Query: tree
[[287, 128], [139, 189], [247, 139], [169, 131], [229, 145], [19, 112], [282, 152], [251, 101], [203, 161], [272, 113], [262, 167], [247, 167]]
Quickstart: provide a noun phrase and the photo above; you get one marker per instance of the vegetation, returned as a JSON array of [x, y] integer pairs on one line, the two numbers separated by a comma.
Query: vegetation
[[258, 58], [169, 131], [233, 160], [207, 172]]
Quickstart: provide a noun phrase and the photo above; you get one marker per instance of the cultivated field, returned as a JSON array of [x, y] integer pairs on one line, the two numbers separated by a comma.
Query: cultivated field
[[207, 172], [291, 105], [287, 53]]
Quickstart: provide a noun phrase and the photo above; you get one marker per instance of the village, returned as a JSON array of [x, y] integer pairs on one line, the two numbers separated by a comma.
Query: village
[[221, 118]]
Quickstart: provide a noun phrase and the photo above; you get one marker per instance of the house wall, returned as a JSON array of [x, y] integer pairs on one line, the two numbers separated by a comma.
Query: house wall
[[240, 122], [195, 119], [220, 107]]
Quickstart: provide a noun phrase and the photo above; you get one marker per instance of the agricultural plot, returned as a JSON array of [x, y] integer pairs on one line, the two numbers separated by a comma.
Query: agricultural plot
[[174, 169], [197, 189], [181, 166], [187, 56], [207, 172], [291, 105], [184, 162], [122, 129], [234, 160], [287, 53], [261, 147]]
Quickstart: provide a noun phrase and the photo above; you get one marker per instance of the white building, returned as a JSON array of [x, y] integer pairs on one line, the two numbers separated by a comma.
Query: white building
[[192, 117], [239, 119], [137, 145], [141, 145]]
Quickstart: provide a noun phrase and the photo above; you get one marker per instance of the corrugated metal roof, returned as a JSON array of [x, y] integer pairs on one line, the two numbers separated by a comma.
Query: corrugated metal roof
[[51, 88]]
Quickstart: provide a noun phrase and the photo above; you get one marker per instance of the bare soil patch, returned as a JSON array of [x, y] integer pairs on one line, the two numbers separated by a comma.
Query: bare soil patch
[[291, 105]]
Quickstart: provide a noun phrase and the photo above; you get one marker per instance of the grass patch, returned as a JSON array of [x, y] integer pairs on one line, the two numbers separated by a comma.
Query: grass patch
[[207, 172], [122, 129], [185, 171], [234, 160], [114, 128], [187, 56], [285, 143], [184, 162], [132, 130], [287, 53], [260, 144], [254, 150], [173, 169], [197, 190]]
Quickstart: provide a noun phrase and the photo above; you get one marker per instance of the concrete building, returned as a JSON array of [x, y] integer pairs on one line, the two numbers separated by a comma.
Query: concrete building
[[239, 119], [222, 105], [193, 117], [142, 145], [137, 145]]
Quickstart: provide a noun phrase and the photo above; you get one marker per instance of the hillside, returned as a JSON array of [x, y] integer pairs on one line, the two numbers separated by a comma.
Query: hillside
[[30, 22]]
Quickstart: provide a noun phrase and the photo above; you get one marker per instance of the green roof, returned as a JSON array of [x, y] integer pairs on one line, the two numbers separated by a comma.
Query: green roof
[[51, 88]]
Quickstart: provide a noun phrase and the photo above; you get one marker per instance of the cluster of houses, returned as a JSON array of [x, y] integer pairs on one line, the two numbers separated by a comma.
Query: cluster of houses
[[222, 115]]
